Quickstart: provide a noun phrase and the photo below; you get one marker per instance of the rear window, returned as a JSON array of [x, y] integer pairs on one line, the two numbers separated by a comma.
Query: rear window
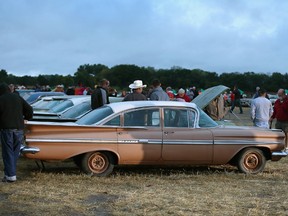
[[95, 116]]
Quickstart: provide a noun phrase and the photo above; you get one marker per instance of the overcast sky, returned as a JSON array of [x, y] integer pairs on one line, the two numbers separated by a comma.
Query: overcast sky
[[57, 36]]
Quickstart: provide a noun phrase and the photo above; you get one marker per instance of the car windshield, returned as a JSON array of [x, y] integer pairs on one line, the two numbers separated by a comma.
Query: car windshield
[[95, 116], [205, 120], [62, 106], [77, 111]]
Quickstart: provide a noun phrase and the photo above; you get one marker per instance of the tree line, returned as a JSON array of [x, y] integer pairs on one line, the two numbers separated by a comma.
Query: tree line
[[120, 76]]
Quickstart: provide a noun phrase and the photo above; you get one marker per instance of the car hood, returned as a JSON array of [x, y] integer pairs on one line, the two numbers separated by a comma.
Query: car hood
[[203, 99]]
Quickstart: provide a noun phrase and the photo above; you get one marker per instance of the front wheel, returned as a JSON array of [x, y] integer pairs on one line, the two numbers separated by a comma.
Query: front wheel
[[251, 161], [98, 163]]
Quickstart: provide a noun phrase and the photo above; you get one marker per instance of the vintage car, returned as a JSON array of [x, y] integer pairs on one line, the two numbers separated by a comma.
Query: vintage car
[[60, 106], [32, 97], [152, 133], [64, 108]]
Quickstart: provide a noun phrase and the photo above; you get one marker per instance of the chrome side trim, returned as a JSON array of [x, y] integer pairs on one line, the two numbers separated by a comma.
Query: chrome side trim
[[70, 140], [98, 141], [156, 141], [188, 142], [245, 142]]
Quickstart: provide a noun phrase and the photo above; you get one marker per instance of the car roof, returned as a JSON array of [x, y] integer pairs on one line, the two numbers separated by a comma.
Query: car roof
[[126, 105]]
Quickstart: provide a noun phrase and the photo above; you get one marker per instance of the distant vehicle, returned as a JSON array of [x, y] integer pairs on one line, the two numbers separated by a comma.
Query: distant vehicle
[[23, 92], [48, 102], [61, 107], [64, 108], [32, 97], [273, 98]]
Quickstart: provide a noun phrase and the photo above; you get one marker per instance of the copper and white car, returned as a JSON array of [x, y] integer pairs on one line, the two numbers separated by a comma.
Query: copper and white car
[[152, 133]]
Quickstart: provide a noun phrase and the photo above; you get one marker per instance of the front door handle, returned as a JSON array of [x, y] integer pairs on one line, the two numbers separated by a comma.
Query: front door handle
[[168, 132]]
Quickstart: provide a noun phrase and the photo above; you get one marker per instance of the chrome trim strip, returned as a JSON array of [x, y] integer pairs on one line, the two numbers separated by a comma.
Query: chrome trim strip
[[70, 140], [188, 142], [128, 141], [157, 141], [244, 142]]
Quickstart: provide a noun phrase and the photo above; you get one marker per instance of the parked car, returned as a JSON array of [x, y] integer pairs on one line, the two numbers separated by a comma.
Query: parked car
[[23, 92], [46, 103], [35, 96], [65, 104], [152, 133], [273, 98], [64, 108]]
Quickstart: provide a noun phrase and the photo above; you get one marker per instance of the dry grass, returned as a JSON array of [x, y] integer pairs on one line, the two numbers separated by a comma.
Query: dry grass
[[132, 190]]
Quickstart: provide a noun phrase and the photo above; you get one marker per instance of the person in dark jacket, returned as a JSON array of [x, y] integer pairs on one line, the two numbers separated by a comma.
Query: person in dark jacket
[[237, 100], [158, 94], [137, 89], [13, 111], [100, 96]]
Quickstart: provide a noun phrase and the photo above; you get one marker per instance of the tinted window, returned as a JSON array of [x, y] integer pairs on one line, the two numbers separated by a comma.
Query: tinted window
[[95, 116], [114, 122], [179, 118], [142, 118]]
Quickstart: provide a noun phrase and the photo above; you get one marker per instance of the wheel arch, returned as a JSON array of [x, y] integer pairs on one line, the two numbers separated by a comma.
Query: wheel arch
[[265, 150], [114, 154]]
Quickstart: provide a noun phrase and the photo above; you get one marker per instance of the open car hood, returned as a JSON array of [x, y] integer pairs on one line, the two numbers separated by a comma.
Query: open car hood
[[203, 99]]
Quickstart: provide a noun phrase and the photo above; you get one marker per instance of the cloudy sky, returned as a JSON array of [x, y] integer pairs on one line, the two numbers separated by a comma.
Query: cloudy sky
[[57, 36]]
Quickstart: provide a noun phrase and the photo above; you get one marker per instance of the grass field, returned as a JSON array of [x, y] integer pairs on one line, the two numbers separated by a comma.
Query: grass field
[[61, 189]]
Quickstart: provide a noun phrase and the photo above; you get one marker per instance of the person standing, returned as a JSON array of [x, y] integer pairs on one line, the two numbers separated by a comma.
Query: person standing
[[158, 94], [261, 110], [12, 89], [281, 111], [13, 111], [170, 93], [181, 96], [137, 89], [99, 96], [237, 99], [257, 93]]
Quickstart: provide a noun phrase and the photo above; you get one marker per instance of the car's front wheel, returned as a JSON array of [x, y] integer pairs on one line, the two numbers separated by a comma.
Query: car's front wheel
[[97, 163], [251, 161]]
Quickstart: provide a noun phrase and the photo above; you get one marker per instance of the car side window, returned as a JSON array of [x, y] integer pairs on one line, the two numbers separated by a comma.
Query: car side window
[[114, 122], [179, 118], [142, 118]]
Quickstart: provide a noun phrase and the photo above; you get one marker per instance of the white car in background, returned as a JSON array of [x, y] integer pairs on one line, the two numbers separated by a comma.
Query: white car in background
[[69, 108]]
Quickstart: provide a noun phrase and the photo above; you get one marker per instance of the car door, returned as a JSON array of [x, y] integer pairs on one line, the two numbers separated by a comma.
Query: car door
[[140, 137], [182, 141]]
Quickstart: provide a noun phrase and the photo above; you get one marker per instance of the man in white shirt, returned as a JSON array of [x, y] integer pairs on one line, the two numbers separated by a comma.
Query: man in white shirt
[[261, 110]]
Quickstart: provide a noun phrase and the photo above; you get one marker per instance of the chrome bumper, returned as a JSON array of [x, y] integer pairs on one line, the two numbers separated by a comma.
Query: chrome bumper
[[278, 155], [26, 150]]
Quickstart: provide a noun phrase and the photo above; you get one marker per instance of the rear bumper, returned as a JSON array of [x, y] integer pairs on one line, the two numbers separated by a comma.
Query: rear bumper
[[278, 155], [30, 150]]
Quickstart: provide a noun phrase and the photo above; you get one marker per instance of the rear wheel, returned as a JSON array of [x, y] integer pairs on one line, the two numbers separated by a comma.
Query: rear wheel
[[97, 163], [251, 161]]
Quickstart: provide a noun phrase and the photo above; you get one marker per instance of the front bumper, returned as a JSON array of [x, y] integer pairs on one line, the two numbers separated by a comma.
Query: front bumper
[[278, 155]]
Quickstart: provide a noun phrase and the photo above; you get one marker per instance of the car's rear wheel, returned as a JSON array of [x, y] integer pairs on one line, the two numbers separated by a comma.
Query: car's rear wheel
[[251, 161], [97, 163]]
